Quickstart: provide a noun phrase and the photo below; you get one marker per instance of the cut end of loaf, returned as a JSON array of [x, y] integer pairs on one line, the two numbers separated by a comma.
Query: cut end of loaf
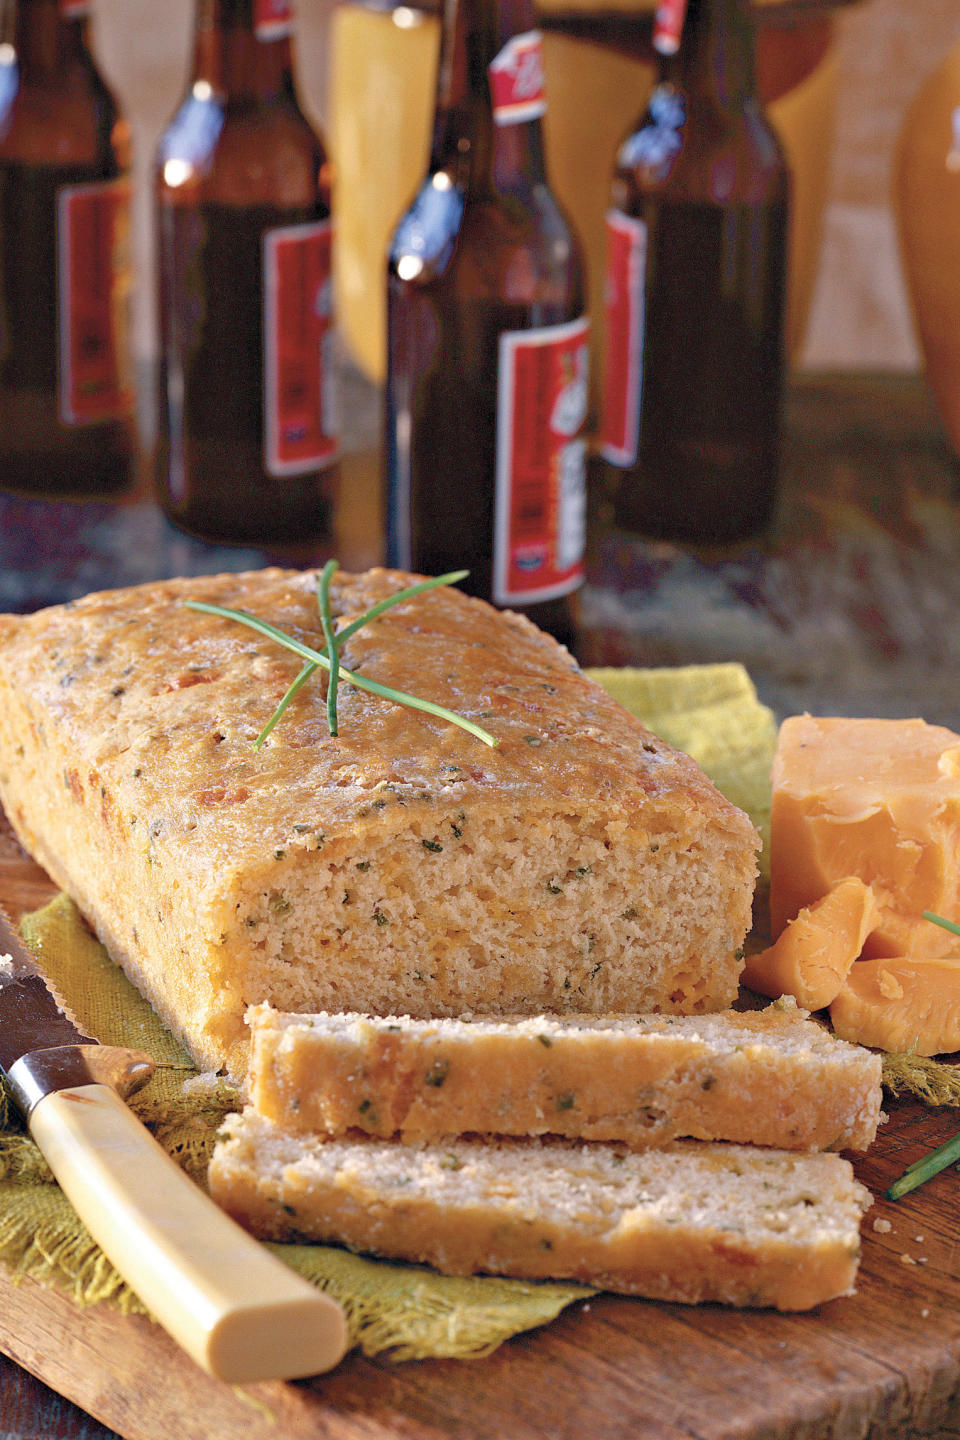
[[466, 909]]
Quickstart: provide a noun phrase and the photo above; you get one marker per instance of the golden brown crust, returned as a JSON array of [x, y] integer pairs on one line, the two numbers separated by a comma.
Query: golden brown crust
[[329, 873], [189, 672]]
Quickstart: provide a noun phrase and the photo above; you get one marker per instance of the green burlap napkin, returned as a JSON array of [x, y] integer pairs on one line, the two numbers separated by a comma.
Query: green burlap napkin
[[406, 1311]]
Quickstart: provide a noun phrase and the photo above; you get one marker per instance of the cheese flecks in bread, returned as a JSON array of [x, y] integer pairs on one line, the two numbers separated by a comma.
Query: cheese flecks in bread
[[773, 1077], [689, 1222], [402, 867]]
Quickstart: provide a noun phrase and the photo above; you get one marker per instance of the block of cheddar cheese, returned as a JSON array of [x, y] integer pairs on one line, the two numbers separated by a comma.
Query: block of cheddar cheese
[[873, 798]]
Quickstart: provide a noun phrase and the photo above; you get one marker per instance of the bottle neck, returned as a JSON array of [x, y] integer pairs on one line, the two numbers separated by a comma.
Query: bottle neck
[[487, 129], [716, 57], [48, 37], [242, 49]]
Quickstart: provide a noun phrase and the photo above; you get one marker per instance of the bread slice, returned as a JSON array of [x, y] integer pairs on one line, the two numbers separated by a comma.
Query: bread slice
[[773, 1077], [400, 867], [693, 1221]]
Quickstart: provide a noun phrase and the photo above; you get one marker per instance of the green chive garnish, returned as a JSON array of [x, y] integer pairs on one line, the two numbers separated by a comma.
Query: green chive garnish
[[326, 621], [923, 1170], [331, 661], [292, 689], [451, 578], [939, 920]]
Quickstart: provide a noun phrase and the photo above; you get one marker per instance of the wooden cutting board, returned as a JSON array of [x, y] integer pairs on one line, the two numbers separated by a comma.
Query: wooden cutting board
[[885, 1362]]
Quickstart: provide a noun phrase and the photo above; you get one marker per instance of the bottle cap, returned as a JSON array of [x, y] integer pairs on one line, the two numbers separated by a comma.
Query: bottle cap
[[668, 26], [272, 19]]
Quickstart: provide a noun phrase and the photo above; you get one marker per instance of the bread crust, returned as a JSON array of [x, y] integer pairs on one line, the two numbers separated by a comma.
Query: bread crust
[[690, 1222], [581, 865], [773, 1077]]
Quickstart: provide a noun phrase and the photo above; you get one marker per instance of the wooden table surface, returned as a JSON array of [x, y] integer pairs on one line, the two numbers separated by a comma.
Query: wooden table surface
[[851, 605]]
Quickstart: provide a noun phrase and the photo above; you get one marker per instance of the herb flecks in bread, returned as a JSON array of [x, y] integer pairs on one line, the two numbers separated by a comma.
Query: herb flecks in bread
[[396, 867], [772, 1077], [689, 1222]]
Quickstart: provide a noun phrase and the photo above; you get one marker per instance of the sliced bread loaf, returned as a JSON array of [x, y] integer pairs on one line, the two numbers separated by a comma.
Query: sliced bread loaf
[[401, 866], [773, 1077], [690, 1222]]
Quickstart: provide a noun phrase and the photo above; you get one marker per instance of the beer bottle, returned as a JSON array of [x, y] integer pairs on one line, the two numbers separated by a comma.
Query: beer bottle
[[66, 400], [486, 391], [696, 279], [247, 436]]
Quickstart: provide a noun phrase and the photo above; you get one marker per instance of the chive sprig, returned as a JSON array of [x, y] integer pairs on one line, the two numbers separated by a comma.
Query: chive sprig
[[949, 1152], [329, 657], [941, 921], [923, 1170], [329, 635]]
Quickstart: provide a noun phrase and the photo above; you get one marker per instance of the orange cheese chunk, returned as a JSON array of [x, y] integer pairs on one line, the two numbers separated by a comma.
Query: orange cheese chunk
[[878, 799], [813, 955], [901, 1004]]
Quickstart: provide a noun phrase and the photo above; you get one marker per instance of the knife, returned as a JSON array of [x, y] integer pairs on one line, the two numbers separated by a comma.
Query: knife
[[231, 1304]]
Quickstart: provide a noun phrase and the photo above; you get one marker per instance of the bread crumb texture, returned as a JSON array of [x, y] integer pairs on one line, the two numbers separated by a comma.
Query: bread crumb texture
[[772, 1077], [691, 1222], [401, 867]]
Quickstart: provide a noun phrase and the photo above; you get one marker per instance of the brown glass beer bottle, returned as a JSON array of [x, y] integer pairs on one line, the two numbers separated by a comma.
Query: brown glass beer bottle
[[248, 430], [66, 398], [696, 278], [487, 337]]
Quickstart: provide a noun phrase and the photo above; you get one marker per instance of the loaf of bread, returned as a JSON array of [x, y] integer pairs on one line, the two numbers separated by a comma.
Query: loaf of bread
[[773, 1077], [692, 1221], [402, 866]]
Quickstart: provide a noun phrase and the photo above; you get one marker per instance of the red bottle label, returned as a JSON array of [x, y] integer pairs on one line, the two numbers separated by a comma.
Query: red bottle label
[[272, 19], [668, 26], [93, 282], [623, 342], [516, 80], [299, 369], [540, 495]]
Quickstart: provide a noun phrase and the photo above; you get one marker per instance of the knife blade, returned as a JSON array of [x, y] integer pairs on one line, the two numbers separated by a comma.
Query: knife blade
[[30, 1017], [39, 1043], [231, 1304]]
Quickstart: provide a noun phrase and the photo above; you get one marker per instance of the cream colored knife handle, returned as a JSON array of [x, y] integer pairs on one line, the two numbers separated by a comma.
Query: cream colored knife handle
[[233, 1306]]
